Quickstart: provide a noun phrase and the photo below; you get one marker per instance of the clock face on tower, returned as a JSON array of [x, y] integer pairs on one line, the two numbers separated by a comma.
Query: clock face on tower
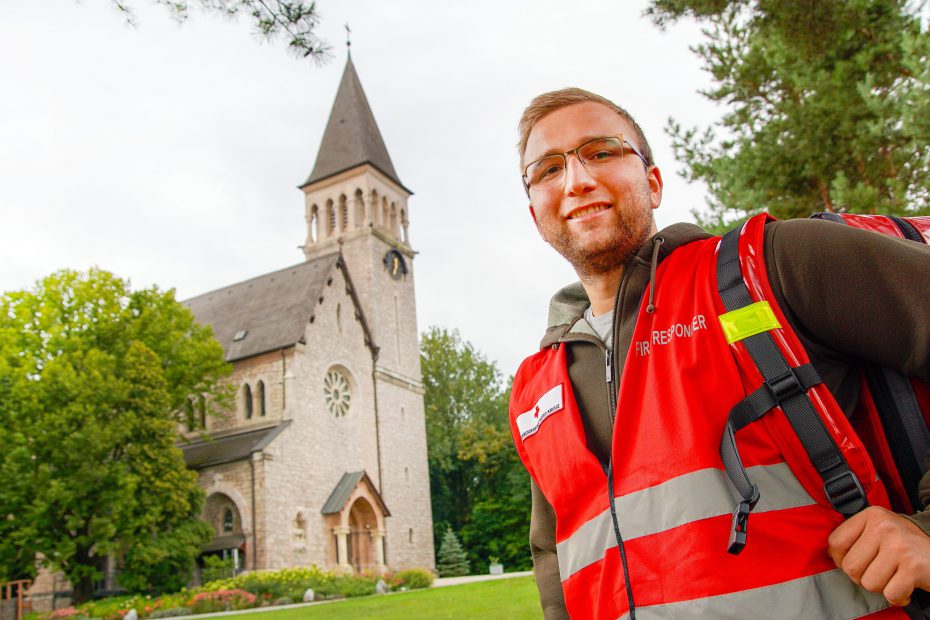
[[395, 264]]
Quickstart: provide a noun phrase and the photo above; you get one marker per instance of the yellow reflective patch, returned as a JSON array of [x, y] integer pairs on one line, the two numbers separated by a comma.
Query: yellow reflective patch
[[748, 321]]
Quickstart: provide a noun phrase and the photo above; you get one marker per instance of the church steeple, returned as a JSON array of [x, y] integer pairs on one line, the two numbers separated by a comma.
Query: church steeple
[[354, 191], [352, 137]]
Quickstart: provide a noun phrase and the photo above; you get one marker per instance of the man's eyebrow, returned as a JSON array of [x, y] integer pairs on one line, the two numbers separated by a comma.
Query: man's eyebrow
[[555, 151]]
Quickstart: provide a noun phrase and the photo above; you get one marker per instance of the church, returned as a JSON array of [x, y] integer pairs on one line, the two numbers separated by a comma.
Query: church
[[323, 459]]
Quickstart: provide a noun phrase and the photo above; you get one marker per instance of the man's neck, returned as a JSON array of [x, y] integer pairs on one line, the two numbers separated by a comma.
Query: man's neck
[[602, 290]]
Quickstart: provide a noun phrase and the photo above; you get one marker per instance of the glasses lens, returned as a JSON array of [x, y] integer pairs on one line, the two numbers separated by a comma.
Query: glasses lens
[[601, 151], [545, 171]]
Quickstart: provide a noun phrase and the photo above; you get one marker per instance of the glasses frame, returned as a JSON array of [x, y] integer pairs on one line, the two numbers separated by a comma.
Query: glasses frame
[[574, 151]]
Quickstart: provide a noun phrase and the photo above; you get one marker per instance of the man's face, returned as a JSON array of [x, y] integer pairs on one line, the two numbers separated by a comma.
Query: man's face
[[595, 222]]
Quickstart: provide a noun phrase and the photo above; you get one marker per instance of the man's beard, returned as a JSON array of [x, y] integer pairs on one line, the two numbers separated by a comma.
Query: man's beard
[[629, 234]]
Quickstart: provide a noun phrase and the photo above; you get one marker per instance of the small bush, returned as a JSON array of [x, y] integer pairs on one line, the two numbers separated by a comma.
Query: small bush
[[284, 600], [215, 568], [350, 586], [413, 579]]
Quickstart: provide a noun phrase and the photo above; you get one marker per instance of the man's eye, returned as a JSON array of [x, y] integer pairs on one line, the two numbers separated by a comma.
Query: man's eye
[[550, 170], [601, 154]]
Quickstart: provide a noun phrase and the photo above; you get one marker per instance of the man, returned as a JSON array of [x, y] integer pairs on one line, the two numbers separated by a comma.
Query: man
[[602, 551]]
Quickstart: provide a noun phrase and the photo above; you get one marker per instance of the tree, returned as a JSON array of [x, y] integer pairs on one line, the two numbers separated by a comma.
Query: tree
[[452, 561], [94, 380], [293, 20], [478, 485], [828, 107]]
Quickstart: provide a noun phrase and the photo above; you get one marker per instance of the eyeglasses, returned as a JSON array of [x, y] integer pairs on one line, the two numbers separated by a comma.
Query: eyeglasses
[[549, 171]]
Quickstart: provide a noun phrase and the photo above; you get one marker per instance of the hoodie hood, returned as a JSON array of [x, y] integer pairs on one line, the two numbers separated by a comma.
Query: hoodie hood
[[569, 303]]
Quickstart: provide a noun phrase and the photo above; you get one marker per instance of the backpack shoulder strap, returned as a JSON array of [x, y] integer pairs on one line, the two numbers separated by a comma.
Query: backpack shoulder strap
[[783, 386]]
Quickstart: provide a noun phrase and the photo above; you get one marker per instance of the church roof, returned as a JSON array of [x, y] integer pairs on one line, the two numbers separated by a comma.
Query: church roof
[[230, 447], [352, 137], [266, 313]]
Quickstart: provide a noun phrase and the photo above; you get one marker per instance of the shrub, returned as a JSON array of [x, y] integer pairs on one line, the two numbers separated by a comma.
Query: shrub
[[215, 567], [413, 579], [284, 600], [350, 586], [67, 612]]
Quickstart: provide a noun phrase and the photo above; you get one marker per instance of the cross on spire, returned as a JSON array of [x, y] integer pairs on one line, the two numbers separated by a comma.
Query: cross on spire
[[348, 39]]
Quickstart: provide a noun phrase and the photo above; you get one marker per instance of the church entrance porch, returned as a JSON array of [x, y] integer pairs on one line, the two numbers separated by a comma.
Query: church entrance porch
[[355, 513]]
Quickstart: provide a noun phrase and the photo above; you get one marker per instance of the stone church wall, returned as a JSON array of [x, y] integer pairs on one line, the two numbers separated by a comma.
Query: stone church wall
[[305, 463]]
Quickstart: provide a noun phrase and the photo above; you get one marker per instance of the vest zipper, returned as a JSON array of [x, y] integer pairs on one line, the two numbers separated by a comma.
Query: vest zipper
[[608, 469]]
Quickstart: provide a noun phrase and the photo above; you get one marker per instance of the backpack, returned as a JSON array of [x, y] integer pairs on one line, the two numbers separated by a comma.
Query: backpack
[[892, 416], [893, 413]]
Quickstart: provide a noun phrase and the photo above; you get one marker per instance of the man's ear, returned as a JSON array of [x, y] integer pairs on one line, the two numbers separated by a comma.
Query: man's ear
[[654, 177]]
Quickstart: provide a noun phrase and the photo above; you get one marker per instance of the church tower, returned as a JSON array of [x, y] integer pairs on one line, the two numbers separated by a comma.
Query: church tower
[[357, 205]]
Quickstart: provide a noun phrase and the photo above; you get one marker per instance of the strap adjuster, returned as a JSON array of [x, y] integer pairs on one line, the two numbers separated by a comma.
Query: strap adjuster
[[739, 524], [845, 493], [785, 385]]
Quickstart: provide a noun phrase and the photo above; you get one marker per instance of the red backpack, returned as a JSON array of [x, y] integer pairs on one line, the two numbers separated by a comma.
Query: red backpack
[[893, 414]]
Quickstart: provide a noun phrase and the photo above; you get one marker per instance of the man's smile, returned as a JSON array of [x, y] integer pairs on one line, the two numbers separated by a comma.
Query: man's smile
[[588, 209]]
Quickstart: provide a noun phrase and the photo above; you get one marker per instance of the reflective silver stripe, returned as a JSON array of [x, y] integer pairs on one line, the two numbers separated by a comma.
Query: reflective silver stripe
[[694, 496], [825, 595]]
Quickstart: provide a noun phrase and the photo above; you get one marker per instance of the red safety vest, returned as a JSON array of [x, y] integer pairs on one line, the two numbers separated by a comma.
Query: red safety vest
[[667, 516]]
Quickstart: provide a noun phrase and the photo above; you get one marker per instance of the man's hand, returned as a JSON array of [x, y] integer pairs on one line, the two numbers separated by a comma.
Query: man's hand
[[883, 552]]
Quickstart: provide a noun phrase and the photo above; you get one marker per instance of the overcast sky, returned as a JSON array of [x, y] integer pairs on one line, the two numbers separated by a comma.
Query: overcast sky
[[170, 154]]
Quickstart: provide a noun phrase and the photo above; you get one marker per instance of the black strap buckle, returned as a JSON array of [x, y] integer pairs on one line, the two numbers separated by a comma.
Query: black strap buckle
[[785, 385], [740, 522], [845, 493]]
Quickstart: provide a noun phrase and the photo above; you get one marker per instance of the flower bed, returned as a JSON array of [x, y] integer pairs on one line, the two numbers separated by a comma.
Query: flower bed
[[245, 591]]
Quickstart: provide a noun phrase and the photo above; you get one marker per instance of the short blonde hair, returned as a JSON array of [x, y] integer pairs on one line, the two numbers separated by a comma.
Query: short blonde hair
[[545, 103]]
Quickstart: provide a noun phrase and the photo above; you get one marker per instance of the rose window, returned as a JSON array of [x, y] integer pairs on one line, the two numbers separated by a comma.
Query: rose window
[[337, 393]]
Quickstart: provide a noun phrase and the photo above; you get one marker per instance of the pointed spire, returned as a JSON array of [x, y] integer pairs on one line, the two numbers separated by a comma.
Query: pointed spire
[[352, 137]]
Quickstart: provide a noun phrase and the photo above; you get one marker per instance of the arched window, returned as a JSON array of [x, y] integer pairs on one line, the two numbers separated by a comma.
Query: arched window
[[314, 224], [202, 411], [410, 535], [359, 208], [375, 209], [394, 229], [330, 218], [247, 401], [261, 398], [343, 213], [228, 520], [189, 422]]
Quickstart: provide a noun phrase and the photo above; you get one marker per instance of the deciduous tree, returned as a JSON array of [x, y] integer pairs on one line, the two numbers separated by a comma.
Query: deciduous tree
[[478, 486], [827, 106], [94, 379]]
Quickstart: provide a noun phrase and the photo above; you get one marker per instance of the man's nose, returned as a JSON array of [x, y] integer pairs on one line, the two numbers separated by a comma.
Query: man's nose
[[578, 179]]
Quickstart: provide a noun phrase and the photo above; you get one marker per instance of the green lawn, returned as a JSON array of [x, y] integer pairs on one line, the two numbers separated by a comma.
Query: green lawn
[[514, 599]]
